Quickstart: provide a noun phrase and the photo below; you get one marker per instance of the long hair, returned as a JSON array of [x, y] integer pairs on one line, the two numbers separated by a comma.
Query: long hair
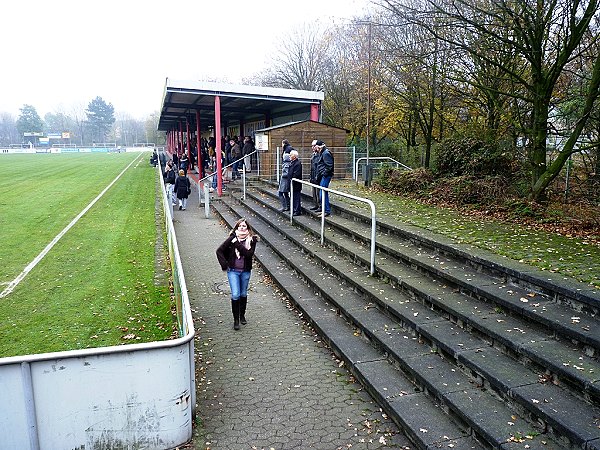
[[237, 224]]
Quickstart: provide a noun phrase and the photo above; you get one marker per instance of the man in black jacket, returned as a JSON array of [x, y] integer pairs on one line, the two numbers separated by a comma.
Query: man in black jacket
[[314, 176], [325, 167]]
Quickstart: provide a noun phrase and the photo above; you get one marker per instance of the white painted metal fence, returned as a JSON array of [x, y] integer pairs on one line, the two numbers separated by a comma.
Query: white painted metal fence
[[128, 397]]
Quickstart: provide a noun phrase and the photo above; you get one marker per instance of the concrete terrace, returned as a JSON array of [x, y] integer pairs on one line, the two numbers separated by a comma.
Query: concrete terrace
[[458, 347]]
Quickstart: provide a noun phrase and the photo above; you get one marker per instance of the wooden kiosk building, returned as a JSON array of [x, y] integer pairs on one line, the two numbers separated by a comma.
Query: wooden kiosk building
[[300, 135]]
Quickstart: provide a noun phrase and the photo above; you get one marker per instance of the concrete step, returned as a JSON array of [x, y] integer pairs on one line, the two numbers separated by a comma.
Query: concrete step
[[420, 417], [560, 288], [568, 308], [389, 337], [516, 332]]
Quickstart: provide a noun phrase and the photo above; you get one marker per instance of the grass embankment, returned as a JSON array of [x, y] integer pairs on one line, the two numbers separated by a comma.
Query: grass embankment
[[96, 287], [574, 257]]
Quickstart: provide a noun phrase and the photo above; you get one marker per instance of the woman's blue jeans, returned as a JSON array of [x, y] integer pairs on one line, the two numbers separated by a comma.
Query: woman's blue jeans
[[238, 283]]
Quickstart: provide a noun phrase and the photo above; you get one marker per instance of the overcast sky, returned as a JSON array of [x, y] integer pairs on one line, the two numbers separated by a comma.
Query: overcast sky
[[58, 55]]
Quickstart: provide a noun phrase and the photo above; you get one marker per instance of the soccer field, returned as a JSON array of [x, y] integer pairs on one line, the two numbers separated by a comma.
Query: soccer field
[[97, 285]]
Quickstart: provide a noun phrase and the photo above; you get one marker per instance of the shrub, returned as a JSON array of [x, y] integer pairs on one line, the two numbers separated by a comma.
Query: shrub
[[470, 190], [469, 156], [403, 181]]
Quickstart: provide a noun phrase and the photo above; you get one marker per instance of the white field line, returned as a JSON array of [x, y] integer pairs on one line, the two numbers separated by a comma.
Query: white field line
[[13, 284]]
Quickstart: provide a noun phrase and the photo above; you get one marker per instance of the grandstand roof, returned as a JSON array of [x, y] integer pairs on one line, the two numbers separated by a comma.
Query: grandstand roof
[[182, 99]]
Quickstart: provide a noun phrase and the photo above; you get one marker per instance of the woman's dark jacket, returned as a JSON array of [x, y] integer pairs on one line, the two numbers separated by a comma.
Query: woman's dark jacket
[[169, 176], [236, 152], [183, 162], [182, 186], [226, 252]]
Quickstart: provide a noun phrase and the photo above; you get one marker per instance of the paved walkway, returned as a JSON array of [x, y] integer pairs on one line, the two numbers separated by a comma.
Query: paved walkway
[[273, 384]]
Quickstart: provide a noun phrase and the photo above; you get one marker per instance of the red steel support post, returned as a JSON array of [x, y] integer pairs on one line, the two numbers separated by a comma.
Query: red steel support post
[[314, 112], [187, 132], [198, 141], [218, 144]]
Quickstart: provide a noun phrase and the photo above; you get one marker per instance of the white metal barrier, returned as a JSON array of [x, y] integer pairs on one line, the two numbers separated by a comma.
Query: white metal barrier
[[377, 158], [130, 396], [343, 194], [204, 188]]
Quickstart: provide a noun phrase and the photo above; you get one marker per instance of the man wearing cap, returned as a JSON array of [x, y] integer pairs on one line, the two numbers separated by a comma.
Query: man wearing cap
[[325, 166], [314, 176]]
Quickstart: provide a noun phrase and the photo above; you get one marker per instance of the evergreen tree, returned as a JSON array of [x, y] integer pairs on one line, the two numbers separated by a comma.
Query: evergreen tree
[[29, 121], [100, 118]]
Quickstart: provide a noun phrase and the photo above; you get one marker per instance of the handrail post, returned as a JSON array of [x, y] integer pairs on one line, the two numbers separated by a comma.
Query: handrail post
[[343, 194], [322, 218], [206, 200], [277, 164], [243, 183], [373, 230], [354, 175], [292, 202]]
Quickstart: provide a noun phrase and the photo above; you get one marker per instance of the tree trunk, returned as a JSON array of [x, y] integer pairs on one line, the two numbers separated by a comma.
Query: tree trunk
[[544, 179]]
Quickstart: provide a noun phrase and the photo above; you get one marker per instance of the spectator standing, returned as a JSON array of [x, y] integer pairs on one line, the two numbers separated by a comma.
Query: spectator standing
[[227, 147], [285, 145], [247, 149], [295, 171], [235, 257], [204, 162], [169, 177], [284, 183], [163, 159], [184, 163], [236, 153], [325, 167], [183, 189], [212, 146], [314, 176]]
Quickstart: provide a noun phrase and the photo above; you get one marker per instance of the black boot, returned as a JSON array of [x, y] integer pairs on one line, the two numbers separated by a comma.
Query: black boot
[[235, 309], [243, 302]]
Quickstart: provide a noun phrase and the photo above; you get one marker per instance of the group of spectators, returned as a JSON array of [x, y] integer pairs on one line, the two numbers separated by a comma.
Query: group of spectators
[[234, 148], [236, 252], [175, 175], [177, 184], [321, 172]]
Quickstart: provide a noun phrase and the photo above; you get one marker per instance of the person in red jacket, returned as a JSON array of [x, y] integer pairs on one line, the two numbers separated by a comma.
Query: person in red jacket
[[235, 257]]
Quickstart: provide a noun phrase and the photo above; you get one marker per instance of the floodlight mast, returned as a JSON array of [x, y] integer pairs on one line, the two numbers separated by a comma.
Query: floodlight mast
[[369, 94]]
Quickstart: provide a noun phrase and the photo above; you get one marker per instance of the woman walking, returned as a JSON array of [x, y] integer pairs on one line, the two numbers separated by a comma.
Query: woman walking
[[182, 188], [235, 256]]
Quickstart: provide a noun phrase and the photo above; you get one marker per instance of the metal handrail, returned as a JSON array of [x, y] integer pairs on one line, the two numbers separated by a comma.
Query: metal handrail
[[206, 187], [228, 165], [343, 194], [398, 163]]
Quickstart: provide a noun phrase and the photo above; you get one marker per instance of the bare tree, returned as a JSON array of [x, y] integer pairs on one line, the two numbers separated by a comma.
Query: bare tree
[[8, 130], [414, 71], [298, 62]]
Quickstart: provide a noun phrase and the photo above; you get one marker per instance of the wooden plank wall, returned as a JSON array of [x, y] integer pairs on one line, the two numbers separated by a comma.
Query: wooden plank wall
[[300, 136]]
